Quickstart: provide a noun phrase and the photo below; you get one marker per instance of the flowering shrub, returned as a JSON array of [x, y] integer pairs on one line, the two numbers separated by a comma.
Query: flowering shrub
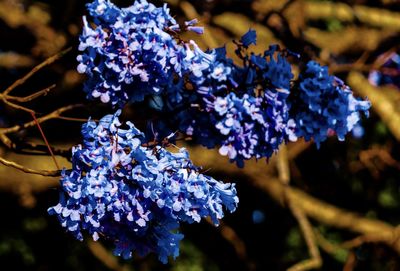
[[136, 193]]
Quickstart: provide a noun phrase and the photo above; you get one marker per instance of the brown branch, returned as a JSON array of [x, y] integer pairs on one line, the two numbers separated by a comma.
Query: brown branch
[[371, 238], [350, 262], [75, 119], [45, 140], [23, 147], [282, 165], [45, 63], [53, 115], [109, 260], [30, 97], [7, 141], [41, 149], [47, 173], [326, 245], [16, 106], [233, 238], [345, 13]]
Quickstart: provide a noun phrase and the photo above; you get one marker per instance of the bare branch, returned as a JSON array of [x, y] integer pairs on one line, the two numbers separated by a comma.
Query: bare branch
[[371, 238], [75, 119], [30, 97], [233, 238], [45, 140], [7, 141], [109, 260], [33, 148], [53, 115], [45, 63], [18, 107], [47, 173]]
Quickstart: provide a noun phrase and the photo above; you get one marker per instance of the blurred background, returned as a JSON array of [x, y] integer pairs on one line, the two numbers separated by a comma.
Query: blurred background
[[348, 192]]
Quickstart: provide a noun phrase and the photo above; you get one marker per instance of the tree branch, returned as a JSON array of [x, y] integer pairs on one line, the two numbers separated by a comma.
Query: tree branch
[[30, 97], [109, 260], [47, 173], [53, 115], [45, 63]]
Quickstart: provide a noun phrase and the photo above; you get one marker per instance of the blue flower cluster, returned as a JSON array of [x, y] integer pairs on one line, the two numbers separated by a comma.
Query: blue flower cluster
[[135, 195], [132, 52], [324, 104], [242, 109]]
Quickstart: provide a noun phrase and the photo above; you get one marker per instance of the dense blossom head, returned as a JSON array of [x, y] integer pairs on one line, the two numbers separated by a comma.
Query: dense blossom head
[[133, 195], [323, 103], [131, 52]]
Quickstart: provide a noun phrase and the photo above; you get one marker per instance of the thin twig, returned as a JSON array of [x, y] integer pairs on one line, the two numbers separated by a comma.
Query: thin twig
[[282, 165], [75, 119], [32, 148], [45, 141], [327, 245], [350, 262], [53, 115], [16, 106], [101, 253], [30, 97], [7, 141], [45, 63], [233, 238], [41, 149], [48, 173], [371, 238]]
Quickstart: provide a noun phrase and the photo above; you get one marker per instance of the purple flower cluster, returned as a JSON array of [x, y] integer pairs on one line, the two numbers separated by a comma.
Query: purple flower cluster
[[133, 195], [131, 53], [324, 104]]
